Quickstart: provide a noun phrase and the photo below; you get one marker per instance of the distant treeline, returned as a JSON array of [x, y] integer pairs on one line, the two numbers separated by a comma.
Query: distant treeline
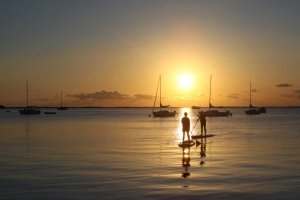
[[19, 107]]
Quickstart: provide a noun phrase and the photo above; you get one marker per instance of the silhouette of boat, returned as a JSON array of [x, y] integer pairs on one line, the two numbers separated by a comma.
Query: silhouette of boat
[[213, 112], [29, 110], [262, 110], [61, 103], [252, 110], [49, 113], [196, 107], [161, 113]]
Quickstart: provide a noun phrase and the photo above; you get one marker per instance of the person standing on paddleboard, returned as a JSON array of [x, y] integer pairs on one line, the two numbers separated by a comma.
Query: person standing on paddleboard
[[202, 122], [185, 126]]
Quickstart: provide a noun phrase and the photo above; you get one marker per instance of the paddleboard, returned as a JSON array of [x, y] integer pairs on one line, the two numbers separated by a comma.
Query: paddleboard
[[186, 143], [200, 136]]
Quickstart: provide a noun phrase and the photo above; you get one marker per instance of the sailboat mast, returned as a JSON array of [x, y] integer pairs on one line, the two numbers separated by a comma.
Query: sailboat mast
[[155, 96], [27, 93], [250, 96], [160, 92], [209, 93], [61, 98]]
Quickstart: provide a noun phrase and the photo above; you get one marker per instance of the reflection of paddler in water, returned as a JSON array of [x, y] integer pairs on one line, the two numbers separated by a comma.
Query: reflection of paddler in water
[[185, 127], [185, 162], [202, 151]]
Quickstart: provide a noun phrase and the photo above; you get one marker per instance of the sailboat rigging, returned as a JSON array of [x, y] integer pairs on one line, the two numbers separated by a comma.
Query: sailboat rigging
[[213, 112], [29, 110], [61, 102], [161, 113], [252, 110]]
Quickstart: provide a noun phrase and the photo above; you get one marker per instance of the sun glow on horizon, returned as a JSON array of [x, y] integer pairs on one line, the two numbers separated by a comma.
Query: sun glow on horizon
[[185, 81]]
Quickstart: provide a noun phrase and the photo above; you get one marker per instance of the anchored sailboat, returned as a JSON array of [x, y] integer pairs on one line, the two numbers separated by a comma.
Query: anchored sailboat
[[252, 110], [213, 112], [29, 110], [61, 102], [161, 113]]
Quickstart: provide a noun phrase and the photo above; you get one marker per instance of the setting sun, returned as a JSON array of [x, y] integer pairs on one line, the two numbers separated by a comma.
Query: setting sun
[[185, 81]]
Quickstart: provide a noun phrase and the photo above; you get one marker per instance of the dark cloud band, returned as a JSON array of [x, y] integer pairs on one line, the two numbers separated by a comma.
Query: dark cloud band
[[284, 85]]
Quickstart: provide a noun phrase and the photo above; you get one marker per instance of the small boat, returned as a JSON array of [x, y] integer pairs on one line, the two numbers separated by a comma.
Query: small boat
[[262, 110], [196, 107], [217, 113], [49, 113], [29, 110], [62, 108], [61, 103], [213, 112], [252, 110], [160, 112]]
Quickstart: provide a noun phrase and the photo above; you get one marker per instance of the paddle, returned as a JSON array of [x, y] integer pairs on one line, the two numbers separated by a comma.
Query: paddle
[[191, 133], [195, 125]]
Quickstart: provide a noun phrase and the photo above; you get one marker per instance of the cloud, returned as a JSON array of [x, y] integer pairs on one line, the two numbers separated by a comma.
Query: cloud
[[143, 96], [41, 98], [296, 95], [282, 85], [233, 96], [108, 95], [100, 95], [297, 92], [288, 95], [47, 99]]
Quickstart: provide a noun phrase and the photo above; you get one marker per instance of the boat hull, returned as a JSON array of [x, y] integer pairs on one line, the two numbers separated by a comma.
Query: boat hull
[[252, 112], [62, 108], [196, 107], [255, 111], [30, 111], [262, 110], [216, 113], [164, 113], [50, 113]]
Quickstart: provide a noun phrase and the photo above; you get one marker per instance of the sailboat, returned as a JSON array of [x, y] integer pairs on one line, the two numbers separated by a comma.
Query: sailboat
[[213, 112], [29, 110], [252, 110], [61, 103], [161, 113]]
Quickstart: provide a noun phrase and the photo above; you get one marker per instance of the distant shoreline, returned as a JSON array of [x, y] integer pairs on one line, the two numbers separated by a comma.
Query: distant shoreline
[[143, 107]]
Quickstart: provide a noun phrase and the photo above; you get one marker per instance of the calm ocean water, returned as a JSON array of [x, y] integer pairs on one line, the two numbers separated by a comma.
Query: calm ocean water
[[125, 154]]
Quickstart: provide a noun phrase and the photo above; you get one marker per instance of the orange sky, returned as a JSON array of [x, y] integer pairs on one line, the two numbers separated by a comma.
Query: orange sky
[[111, 54]]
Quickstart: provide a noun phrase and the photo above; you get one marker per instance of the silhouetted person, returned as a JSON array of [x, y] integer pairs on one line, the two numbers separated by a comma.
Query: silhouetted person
[[202, 122], [185, 126]]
